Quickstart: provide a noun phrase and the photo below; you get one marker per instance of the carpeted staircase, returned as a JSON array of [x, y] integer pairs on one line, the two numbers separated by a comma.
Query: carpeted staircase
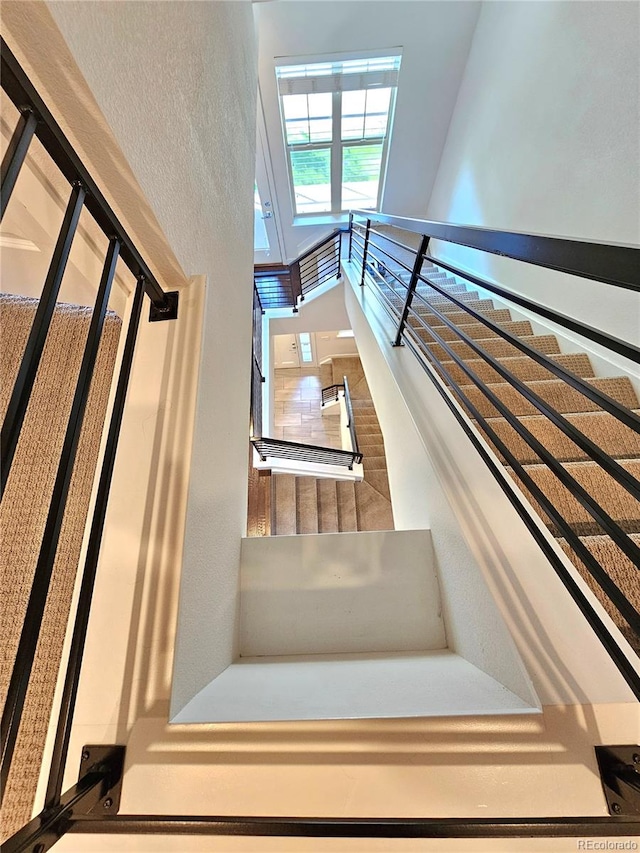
[[322, 505], [24, 508], [604, 429]]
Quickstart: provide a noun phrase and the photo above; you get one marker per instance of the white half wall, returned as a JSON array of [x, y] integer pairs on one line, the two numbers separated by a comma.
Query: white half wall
[[339, 593], [545, 138]]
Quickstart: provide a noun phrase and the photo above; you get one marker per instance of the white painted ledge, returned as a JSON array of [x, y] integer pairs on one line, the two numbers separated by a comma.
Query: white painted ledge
[[413, 684]]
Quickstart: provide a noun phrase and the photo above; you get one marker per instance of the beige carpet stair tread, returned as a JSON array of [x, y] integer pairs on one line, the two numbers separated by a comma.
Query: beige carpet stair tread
[[371, 448], [459, 317], [611, 495], [347, 509], [327, 506], [620, 569], [497, 347], [306, 505], [467, 296], [445, 306], [603, 429], [476, 330], [374, 510], [556, 393], [523, 367], [374, 463], [285, 517]]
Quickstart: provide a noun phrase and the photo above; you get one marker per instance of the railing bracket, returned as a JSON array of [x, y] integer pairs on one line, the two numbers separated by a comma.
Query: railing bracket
[[95, 795], [397, 343], [108, 761], [620, 775], [166, 310]]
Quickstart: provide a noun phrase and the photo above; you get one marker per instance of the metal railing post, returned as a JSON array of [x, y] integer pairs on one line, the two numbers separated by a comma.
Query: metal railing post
[[15, 154], [350, 234], [23, 386], [364, 254], [417, 266]]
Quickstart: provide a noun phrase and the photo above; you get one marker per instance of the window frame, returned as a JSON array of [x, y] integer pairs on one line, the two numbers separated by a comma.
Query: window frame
[[337, 144]]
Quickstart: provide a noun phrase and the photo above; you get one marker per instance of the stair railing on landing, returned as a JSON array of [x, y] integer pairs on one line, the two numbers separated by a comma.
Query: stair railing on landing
[[285, 286], [294, 451], [411, 286], [36, 120], [332, 393]]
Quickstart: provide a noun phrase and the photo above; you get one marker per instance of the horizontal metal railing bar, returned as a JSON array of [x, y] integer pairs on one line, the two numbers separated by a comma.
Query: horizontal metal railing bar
[[384, 300], [389, 255], [323, 270], [593, 450], [359, 256], [402, 283], [325, 251], [328, 251], [609, 341], [524, 510], [357, 241], [272, 446], [612, 406], [330, 262], [617, 264], [374, 827], [579, 493], [22, 93], [411, 249], [319, 244]]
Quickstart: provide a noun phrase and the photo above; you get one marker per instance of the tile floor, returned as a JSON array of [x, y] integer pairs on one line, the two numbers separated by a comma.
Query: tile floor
[[298, 412]]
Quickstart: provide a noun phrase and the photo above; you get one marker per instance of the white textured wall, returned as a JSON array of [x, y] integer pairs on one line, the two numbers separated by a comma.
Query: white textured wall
[[435, 37], [545, 138], [176, 82]]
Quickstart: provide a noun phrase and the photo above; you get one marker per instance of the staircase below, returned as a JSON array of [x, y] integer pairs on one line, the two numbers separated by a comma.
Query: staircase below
[[323, 505]]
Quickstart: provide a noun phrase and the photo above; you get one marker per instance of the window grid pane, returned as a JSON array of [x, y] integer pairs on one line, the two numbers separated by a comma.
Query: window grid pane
[[311, 172], [361, 175]]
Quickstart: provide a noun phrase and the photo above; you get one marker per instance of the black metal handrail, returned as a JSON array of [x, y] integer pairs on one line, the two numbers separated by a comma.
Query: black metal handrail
[[332, 393], [277, 448], [413, 290], [36, 120], [285, 285], [612, 263]]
